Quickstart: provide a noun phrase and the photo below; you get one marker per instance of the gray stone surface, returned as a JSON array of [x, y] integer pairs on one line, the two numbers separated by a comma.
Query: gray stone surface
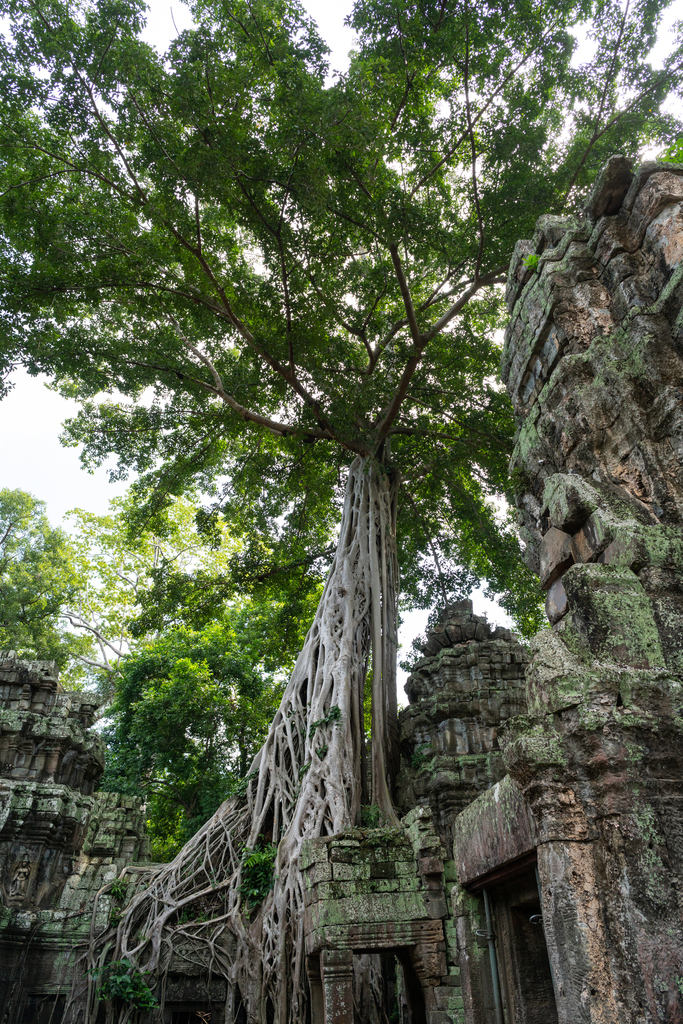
[[459, 697], [593, 362], [61, 842]]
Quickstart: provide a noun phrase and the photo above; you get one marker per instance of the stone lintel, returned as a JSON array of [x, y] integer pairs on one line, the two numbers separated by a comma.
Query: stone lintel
[[496, 829]]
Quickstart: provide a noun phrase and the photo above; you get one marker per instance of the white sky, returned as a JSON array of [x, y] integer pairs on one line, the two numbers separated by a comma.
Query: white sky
[[31, 456]]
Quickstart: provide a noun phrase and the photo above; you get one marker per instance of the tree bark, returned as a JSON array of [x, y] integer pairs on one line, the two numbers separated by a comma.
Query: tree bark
[[307, 780]]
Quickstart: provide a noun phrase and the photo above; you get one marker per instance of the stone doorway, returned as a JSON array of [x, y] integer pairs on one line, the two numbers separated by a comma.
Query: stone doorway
[[524, 972], [331, 981]]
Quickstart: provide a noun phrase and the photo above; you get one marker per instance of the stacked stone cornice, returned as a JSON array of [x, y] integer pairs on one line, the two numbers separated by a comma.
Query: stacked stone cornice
[[45, 733]]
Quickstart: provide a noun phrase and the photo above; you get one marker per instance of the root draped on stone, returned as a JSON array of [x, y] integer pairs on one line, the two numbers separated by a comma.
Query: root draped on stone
[[308, 780]]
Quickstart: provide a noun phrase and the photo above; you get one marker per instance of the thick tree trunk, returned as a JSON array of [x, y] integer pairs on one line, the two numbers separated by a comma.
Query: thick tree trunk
[[306, 781]]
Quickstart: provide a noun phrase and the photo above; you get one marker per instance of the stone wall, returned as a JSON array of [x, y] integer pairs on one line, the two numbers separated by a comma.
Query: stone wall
[[60, 842], [381, 891], [594, 366]]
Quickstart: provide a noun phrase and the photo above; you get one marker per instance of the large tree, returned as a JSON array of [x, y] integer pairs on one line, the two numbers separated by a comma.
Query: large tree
[[295, 285]]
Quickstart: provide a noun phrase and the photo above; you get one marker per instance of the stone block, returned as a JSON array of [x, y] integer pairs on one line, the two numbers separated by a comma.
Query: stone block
[[405, 869], [435, 904], [439, 1017], [555, 556], [497, 828], [591, 539], [569, 501], [556, 602], [430, 866], [612, 615], [382, 869], [609, 189], [347, 872], [406, 884], [319, 871]]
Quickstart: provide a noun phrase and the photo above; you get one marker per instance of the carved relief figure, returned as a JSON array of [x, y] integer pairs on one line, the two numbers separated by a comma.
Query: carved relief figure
[[21, 875]]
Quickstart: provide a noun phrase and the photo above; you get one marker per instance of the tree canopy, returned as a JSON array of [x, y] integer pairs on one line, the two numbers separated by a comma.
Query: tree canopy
[[37, 577], [190, 712], [278, 272]]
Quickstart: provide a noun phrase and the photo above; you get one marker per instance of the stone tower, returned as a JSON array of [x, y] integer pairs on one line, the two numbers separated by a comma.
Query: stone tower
[[593, 362]]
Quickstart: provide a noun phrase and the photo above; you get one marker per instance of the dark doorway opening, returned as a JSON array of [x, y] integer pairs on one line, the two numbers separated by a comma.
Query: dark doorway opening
[[413, 1010], [523, 964], [43, 1009], [240, 1008], [196, 1015]]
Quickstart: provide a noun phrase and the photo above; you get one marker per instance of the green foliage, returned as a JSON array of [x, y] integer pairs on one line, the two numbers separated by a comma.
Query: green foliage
[[121, 982], [117, 570], [190, 712], [38, 575], [258, 875], [674, 154], [242, 785], [118, 889], [531, 261], [293, 272], [333, 715], [370, 816], [420, 757]]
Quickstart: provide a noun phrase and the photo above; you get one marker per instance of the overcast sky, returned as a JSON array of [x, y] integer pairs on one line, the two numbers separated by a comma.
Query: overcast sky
[[31, 456]]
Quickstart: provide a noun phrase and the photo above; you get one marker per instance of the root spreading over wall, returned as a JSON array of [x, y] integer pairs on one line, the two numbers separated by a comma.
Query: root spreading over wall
[[307, 781]]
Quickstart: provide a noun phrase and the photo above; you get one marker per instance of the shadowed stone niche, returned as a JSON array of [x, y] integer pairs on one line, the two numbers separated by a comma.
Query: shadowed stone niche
[[381, 893], [594, 365]]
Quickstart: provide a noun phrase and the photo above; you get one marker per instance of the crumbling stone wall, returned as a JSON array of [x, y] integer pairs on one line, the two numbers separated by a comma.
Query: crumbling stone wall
[[594, 365], [60, 842], [470, 681], [374, 892]]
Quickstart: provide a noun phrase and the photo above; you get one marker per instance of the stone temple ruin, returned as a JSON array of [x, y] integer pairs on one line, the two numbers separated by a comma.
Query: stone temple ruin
[[537, 875]]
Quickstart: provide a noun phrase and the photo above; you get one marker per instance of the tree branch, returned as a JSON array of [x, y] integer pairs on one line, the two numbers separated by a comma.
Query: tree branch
[[218, 388], [414, 359], [405, 295], [470, 130], [496, 92]]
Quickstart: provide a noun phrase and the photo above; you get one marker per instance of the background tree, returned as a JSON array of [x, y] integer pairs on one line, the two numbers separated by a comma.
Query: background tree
[[190, 712], [305, 276], [38, 575], [116, 573]]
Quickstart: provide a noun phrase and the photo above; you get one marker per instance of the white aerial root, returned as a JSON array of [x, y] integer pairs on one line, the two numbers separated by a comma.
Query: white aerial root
[[306, 781]]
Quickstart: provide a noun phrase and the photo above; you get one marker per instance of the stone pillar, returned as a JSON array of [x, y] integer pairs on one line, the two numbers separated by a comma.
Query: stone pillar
[[593, 364], [337, 979]]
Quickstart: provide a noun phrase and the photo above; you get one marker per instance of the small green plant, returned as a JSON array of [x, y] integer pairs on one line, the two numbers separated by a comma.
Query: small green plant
[[531, 261], [419, 758], [322, 750], [240, 788], [304, 768], [333, 715], [383, 836], [370, 816], [118, 889], [121, 982], [257, 875]]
